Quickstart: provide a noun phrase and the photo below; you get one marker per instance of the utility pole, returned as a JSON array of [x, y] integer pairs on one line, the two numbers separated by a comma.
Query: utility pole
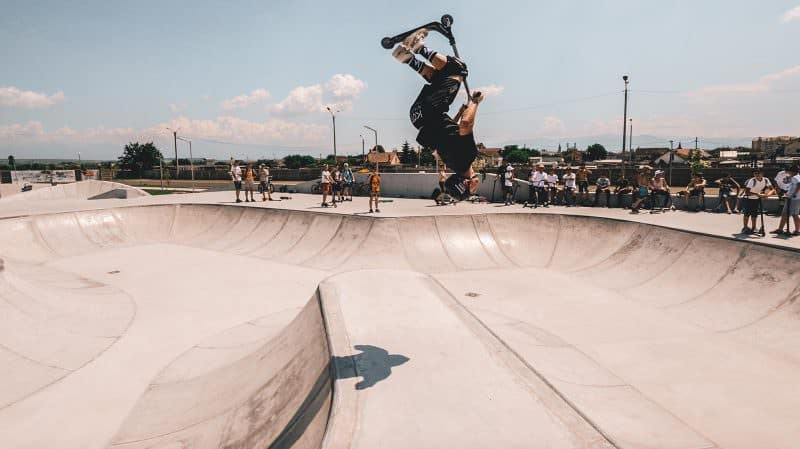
[[333, 117], [671, 158], [376, 135], [630, 143], [363, 155], [191, 163], [175, 142], [696, 143], [624, 122]]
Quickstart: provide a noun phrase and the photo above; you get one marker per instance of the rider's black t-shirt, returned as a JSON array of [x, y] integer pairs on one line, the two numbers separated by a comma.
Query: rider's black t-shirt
[[458, 151]]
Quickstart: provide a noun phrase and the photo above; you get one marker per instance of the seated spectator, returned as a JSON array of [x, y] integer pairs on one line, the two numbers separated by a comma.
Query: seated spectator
[[659, 188], [622, 188], [696, 188], [602, 186], [642, 189], [726, 187]]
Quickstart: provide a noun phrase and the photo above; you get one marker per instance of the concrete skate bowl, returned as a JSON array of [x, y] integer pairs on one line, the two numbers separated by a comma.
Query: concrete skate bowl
[[191, 326], [83, 190]]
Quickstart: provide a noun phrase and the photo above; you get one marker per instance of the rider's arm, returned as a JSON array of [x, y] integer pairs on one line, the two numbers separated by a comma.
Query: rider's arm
[[467, 121]]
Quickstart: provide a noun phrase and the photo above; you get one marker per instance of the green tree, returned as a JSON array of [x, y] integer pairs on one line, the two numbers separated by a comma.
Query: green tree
[[138, 157], [298, 161], [426, 157], [379, 148], [696, 163], [12, 162], [407, 155], [596, 152]]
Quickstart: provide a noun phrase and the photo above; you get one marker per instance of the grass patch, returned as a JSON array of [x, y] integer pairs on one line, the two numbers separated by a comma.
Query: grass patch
[[159, 191]]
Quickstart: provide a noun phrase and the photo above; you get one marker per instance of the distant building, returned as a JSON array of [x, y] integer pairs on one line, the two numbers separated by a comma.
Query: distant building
[[780, 146], [641, 154], [489, 157]]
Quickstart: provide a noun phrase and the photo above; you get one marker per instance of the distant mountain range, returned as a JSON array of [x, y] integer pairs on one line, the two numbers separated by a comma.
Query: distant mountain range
[[614, 142]]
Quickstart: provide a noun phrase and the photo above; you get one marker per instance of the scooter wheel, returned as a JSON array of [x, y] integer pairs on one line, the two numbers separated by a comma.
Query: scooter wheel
[[387, 43], [447, 20]]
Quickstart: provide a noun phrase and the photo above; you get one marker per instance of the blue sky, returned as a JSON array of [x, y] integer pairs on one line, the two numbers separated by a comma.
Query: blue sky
[[89, 76]]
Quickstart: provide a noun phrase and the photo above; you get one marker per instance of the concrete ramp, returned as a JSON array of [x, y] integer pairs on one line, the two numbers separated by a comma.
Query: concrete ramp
[[82, 190], [210, 326]]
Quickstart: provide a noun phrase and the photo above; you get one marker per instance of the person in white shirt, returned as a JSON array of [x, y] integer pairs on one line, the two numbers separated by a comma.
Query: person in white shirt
[[792, 205], [325, 183], [602, 187], [263, 182], [508, 185], [236, 176], [569, 187], [755, 190], [552, 186], [538, 187]]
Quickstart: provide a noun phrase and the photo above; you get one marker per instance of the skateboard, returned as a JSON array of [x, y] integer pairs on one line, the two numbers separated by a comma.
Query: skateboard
[[443, 198]]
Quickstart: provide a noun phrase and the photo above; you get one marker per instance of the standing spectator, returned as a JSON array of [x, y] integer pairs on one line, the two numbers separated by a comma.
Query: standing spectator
[[792, 205], [696, 188], [622, 188], [659, 188], [582, 177], [783, 180], [552, 186], [325, 184], [642, 189], [603, 186], [347, 175], [236, 176], [442, 178], [249, 182], [338, 184], [569, 187], [508, 185], [263, 182], [755, 190], [374, 190], [726, 187], [538, 186]]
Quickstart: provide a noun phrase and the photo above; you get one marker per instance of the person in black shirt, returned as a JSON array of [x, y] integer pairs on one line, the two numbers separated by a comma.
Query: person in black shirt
[[451, 137]]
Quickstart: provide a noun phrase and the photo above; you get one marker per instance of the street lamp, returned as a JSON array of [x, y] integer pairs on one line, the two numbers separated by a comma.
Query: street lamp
[[363, 156], [191, 163], [376, 135], [624, 123], [333, 117], [630, 143], [175, 143]]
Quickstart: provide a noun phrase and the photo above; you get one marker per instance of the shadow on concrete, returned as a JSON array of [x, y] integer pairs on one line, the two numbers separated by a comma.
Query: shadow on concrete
[[374, 364]]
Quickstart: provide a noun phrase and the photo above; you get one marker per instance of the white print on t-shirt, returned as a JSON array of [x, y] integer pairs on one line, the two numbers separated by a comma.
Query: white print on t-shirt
[[326, 177]]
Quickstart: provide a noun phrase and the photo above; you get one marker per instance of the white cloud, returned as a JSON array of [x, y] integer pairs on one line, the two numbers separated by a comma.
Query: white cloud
[[345, 87], [245, 100], [301, 100], [176, 108], [340, 92], [11, 96], [237, 130], [490, 91], [790, 15], [552, 127], [225, 128], [764, 84]]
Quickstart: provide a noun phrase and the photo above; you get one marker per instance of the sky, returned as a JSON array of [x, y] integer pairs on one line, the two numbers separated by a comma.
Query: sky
[[253, 79]]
